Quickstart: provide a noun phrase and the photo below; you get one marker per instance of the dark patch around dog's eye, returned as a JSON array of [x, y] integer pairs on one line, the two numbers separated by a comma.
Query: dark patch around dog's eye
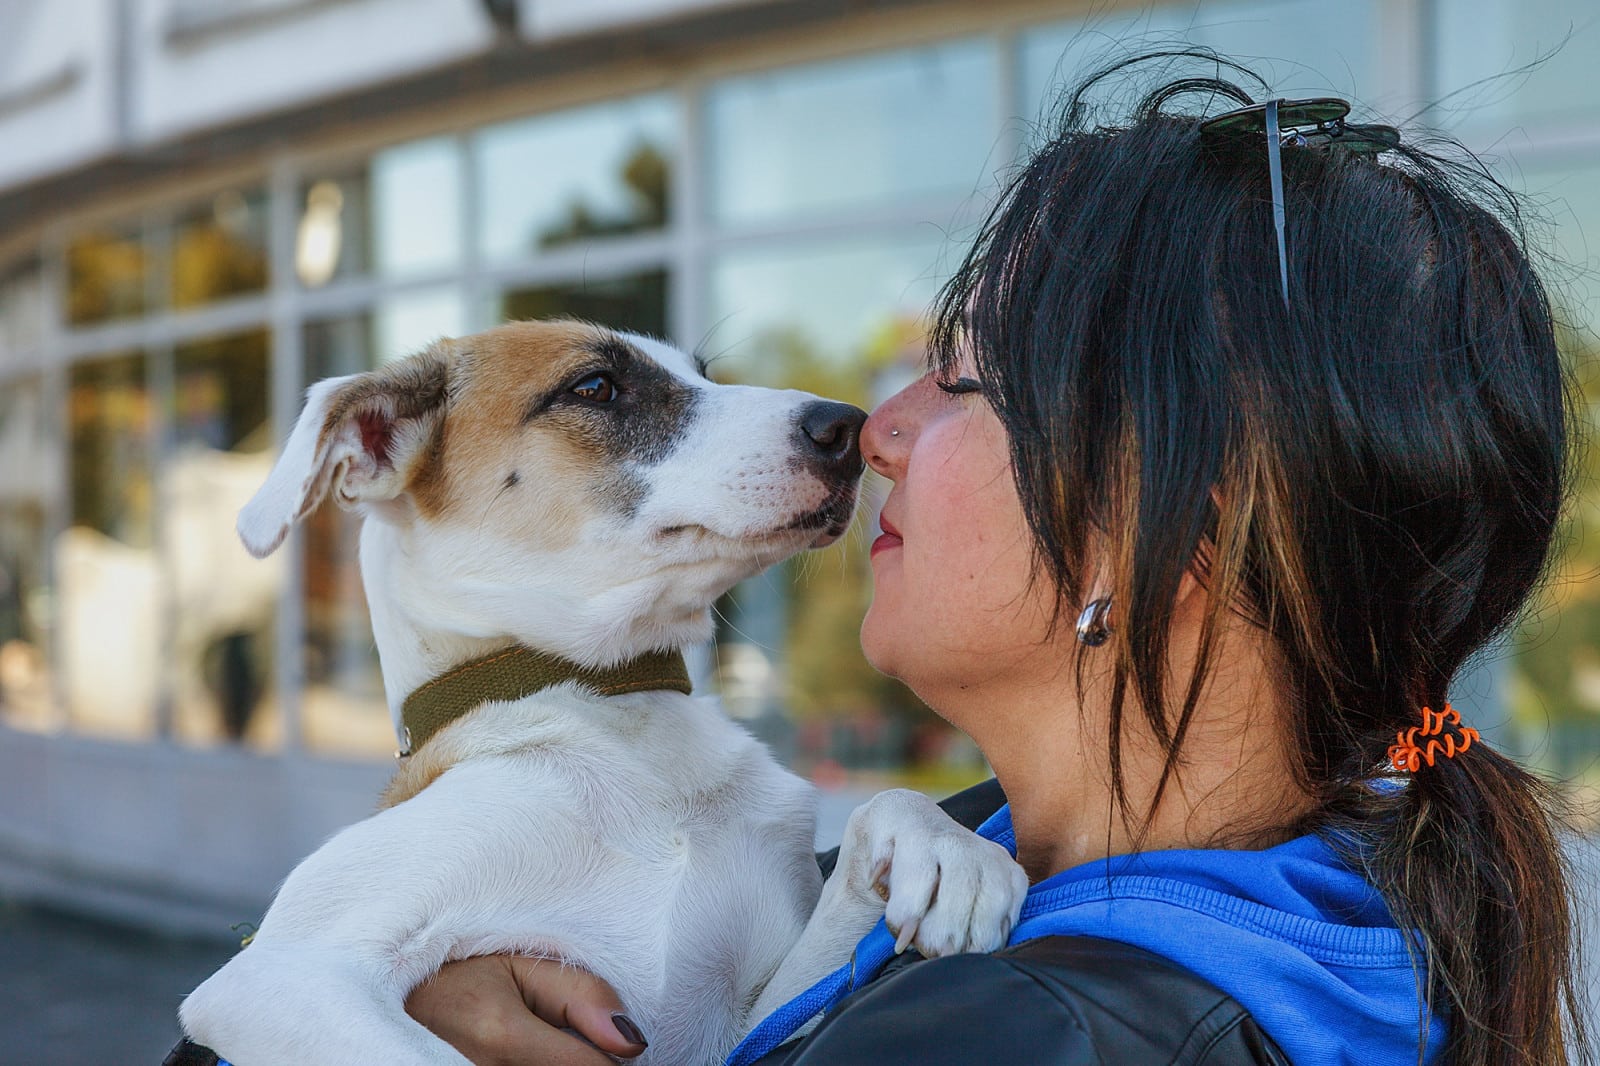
[[654, 410]]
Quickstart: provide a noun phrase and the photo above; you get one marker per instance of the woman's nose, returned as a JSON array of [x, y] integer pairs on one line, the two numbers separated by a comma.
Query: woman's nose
[[883, 443]]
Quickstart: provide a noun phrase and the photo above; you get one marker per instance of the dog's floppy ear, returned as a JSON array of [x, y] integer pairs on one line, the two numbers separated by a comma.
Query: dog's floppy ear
[[357, 437]]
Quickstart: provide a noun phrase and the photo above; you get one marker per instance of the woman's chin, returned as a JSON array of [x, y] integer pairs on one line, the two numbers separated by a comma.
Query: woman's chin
[[877, 643]]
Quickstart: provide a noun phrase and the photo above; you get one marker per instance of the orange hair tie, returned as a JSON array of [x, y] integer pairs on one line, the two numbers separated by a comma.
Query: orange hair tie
[[1406, 755]]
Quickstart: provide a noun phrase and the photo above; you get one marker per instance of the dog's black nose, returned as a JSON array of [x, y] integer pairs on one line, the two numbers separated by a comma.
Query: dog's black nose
[[830, 437]]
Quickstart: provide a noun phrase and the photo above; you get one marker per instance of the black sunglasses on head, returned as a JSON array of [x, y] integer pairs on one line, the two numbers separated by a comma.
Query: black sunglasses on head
[[1316, 123]]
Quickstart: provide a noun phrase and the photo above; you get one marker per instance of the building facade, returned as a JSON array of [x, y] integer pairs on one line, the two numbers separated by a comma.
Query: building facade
[[206, 205]]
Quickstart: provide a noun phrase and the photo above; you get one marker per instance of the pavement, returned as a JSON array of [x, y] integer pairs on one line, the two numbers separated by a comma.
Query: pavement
[[75, 992], [81, 993]]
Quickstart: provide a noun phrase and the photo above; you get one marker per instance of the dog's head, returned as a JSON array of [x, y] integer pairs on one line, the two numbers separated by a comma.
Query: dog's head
[[583, 491]]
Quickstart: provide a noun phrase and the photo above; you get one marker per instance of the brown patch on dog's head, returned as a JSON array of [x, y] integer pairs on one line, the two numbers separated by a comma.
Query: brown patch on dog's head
[[520, 450]]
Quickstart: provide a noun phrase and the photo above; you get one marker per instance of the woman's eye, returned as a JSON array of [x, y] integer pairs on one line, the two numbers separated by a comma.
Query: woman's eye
[[596, 388], [960, 386]]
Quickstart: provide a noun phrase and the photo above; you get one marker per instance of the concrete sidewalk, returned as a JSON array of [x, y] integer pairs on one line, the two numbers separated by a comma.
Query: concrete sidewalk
[[80, 993]]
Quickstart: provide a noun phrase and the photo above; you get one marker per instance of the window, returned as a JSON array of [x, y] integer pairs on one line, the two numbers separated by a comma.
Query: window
[[219, 249], [592, 172], [855, 133], [111, 627], [636, 302], [106, 276]]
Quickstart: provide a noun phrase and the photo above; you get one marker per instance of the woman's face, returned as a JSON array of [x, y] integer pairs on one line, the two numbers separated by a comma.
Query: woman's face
[[953, 607]]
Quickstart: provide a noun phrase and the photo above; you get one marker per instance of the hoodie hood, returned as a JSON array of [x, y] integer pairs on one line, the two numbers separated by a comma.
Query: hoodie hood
[[1302, 941]]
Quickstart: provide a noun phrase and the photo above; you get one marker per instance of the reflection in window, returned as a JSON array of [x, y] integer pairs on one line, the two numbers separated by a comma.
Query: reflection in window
[[591, 172], [637, 303], [334, 237], [845, 321], [852, 132], [222, 601], [110, 632], [342, 707], [220, 249], [105, 276], [25, 691]]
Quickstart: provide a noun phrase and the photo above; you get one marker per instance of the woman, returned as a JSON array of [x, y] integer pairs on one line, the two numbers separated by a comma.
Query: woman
[[1194, 520]]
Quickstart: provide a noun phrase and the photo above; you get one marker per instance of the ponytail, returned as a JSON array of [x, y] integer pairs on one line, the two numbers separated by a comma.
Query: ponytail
[[1468, 857]]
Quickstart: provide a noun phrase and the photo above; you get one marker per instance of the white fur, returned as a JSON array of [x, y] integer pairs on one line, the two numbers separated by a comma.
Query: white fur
[[645, 838]]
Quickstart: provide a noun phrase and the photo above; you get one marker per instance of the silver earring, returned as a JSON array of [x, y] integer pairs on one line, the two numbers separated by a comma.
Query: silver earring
[[894, 433], [1093, 629]]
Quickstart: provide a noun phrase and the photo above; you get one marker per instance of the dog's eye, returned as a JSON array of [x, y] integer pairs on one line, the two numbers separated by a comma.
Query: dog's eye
[[596, 388]]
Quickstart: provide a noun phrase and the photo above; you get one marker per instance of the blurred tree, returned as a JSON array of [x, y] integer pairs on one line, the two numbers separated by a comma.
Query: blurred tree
[[1555, 670]]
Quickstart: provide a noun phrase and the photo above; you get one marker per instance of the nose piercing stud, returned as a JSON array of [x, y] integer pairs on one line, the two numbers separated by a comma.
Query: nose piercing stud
[[894, 433]]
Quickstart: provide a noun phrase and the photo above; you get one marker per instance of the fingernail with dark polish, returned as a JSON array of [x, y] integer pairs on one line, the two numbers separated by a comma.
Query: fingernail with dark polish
[[629, 1031]]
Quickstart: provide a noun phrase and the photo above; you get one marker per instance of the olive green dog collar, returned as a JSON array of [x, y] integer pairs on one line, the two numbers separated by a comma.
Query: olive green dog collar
[[518, 672]]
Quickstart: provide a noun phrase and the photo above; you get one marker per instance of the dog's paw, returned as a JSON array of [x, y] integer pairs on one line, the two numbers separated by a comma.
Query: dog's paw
[[948, 890]]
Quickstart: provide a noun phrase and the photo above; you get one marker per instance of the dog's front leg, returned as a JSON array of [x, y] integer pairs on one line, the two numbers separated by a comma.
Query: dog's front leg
[[948, 890]]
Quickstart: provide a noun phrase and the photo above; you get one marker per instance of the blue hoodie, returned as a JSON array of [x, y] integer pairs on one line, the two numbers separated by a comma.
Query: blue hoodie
[[1304, 943]]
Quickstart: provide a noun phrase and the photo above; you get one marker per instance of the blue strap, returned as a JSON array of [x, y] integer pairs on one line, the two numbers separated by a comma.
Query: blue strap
[[871, 955]]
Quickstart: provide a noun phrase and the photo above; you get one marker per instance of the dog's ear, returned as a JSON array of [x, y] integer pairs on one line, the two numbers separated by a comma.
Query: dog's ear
[[357, 437]]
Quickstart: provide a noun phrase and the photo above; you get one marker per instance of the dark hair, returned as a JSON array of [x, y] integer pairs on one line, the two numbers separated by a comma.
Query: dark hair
[[1373, 474]]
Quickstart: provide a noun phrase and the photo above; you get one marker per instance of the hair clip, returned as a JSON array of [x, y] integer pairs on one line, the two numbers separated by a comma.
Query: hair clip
[[1315, 123], [1406, 756]]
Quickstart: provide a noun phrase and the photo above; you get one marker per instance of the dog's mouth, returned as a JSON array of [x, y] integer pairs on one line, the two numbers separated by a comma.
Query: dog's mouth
[[830, 520], [826, 522]]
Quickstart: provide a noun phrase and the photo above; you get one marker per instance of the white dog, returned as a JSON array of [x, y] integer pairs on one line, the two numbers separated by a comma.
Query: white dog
[[588, 494]]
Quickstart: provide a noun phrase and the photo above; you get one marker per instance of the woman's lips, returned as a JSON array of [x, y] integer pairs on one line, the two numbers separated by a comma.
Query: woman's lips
[[889, 538]]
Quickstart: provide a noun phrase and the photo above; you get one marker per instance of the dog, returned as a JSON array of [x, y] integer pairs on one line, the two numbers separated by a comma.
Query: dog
[[559, 493]]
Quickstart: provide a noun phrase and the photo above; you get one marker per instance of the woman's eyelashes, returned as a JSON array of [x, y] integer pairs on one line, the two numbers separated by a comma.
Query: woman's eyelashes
[[959, 386]]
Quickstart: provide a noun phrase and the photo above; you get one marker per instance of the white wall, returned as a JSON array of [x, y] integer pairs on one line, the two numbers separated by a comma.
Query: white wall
[[549, 19], [207, 63], [166, 837], [57, 86]]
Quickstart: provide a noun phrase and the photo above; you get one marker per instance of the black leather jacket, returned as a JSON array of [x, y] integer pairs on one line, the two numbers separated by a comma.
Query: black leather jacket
[[1058, 1000]]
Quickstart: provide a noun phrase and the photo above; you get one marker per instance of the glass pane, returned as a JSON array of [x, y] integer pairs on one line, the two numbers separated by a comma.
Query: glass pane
[[21, 311], [110, 630], [843, 320], [591, 172], [334, 236], [636, 303], [853, 132], [1479, 45], [404, 325], [342, 707], [817, 304], [105, 276], [223, 602], [416, 208], [1301, 47], [219, 249], [25, 689]]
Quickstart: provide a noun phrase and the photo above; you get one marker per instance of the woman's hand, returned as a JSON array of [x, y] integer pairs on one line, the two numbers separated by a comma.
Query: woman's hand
[[508, 1010]]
